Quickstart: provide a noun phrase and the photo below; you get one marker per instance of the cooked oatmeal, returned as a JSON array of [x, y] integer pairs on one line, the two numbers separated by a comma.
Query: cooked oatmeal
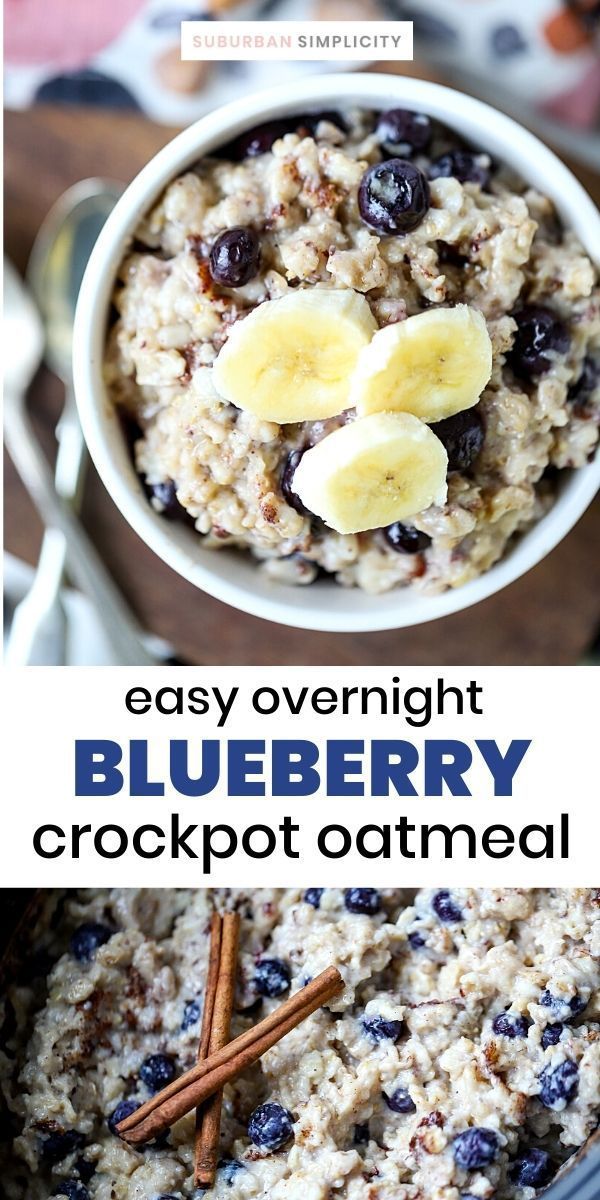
[[294, 207], [462, 1059]]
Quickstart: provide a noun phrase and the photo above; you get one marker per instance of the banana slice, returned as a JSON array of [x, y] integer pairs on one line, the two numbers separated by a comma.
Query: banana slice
[[372, 472], [432, 365], [291, 359]]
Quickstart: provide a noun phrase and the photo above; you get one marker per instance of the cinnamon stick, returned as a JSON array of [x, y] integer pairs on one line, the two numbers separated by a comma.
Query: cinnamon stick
[[210, 1076], [210, 990], [208, 1116]]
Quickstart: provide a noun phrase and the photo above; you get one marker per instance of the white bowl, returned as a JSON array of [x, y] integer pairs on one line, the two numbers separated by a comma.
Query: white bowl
[[233, 576]]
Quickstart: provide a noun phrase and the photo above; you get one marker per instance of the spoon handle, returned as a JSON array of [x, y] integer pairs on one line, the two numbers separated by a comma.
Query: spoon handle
[[38, 632], [85, 565]]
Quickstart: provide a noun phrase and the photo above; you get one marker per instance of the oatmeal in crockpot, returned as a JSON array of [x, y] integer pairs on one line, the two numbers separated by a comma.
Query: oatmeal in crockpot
[[352, 345], [462, 1058]]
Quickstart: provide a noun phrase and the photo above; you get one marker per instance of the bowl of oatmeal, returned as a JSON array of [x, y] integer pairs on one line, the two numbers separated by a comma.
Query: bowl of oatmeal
[[337, 352], [462, 1058]]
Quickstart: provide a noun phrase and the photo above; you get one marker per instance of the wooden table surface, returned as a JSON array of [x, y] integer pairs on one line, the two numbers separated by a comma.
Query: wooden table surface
[[549, 616]]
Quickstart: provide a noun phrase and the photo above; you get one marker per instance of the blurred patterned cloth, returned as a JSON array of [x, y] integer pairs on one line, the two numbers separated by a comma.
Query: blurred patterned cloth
[[540, 57]]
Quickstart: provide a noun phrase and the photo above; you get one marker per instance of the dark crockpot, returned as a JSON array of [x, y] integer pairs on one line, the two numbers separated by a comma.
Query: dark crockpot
[[578, 1180]]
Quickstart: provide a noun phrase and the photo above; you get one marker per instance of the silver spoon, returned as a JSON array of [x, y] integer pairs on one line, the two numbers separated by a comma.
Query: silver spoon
[[24, 344], [38, 632]]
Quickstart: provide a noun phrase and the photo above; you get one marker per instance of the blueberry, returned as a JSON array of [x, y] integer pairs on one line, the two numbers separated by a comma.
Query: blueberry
[[311, 121], [61, 1142], [566, 1010], [511, 1025], [313, 896], [475, 1148], [235, 257], [361, 1135], [581, 392], [416, 940], [229, 1168], [405, 539], [532, 1169], [400, 1101], [270, 1126], [401, 132], [287, 480], [507, 40], [191, 1014], [272, 977], [559, 1085], [164, 495], [462, 436], [393, 196], [462, 165], [552, 1035], [124, 1109], [88, 938], [85, 1169], [73, 1189], [260, 139], [540, 332], [446, 909], [157, 1071], [379, 1029], [362, 900]]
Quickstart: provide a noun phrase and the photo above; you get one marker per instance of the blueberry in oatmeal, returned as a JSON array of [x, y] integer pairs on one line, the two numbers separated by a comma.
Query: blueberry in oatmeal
[[61, 1142], [581, 393], [191, 1014], [229, 1168], [416, 940], [260, 139], [235, 257], [540, 338], [400, 1101], [475, 1148], [164, 499], [287, 481], [270, 1126], [400, 1079], [511, 1025], [552, 1035], [463, 436], [157, 1071], [124, 1109], [272, 977], [378, 1029], [533, 1169], [270, 380], [393, 196], [73, 1190], [362, 900], [88, 938], [461, 165], [559, 1084], [446, 908], [406, 540], [401, 132], [313, 896], [565, 1008]]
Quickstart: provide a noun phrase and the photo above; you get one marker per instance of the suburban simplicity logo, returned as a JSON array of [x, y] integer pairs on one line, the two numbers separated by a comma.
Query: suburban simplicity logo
[[297, 41]]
